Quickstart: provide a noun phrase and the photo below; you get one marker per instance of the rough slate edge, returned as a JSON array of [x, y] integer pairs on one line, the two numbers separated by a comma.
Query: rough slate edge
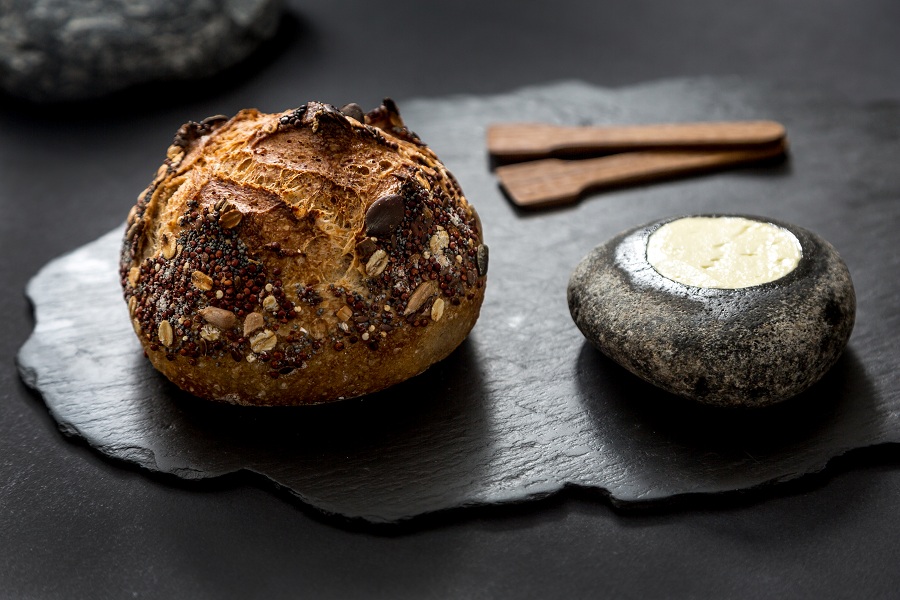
[[581, 421]]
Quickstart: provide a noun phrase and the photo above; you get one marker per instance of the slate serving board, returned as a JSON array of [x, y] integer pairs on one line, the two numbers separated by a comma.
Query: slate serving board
[[525, 406]]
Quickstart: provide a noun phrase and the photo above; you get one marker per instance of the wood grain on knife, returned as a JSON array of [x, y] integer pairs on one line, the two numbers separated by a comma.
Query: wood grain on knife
[[524, 141], [553, 181]]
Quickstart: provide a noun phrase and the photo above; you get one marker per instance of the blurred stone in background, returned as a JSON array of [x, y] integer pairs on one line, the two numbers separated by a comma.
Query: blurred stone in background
[[55, 51]]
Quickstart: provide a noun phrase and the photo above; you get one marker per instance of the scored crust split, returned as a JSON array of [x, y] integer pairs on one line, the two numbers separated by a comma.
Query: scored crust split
[[301, 257]]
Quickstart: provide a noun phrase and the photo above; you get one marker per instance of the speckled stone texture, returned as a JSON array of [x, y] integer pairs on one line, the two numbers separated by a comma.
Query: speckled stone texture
[[63, 50], [748, 347], [526, 406]]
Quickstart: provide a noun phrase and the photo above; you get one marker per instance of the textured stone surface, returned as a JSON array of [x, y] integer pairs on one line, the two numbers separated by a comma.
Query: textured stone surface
[[749, 347], [526, 406], [62, 50]]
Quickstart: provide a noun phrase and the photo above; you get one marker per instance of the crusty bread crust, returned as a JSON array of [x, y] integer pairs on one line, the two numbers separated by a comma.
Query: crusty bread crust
[[301, 257]]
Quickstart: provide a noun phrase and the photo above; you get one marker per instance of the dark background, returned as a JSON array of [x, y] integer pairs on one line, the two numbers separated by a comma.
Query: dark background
[[74, 525]]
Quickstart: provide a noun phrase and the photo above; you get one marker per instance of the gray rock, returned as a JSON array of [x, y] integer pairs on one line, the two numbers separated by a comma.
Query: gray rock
[[65, 50], [752, 346]]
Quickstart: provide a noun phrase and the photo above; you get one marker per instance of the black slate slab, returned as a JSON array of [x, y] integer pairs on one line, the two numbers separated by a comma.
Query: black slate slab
[[526, 406]]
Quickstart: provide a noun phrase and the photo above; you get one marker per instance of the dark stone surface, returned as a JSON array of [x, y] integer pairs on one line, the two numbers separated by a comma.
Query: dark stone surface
[[66, 50], [749, 347], [526, 406]]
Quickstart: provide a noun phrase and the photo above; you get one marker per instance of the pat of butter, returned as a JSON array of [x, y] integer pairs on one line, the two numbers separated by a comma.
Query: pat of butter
[[722, 252]]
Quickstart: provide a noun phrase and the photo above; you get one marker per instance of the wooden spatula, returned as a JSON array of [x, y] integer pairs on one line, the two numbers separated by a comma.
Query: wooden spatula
[[552, 181], [513, 142]]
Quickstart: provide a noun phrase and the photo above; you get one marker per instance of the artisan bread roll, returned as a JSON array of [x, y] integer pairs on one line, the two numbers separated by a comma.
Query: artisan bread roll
[[302, 257]]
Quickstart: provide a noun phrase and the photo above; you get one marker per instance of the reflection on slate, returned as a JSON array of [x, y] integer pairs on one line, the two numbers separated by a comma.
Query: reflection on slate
[[525, 406], [723, 449]]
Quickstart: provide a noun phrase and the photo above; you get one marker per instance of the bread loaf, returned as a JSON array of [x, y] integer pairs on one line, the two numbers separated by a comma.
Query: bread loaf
[[301, 257]]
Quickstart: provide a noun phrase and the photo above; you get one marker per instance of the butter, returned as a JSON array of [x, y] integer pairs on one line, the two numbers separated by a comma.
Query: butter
[[722, 252]]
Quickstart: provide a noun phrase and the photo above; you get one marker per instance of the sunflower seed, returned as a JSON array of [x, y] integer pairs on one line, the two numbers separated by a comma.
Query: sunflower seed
[[354, 111], [426, 290], [437, 309], [253, 322], [169, 246], [230, 219], [377, 263], [481, 259], [221, 318]]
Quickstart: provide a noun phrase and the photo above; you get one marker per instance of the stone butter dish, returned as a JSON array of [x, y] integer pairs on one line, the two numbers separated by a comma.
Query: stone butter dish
[[748, 346]]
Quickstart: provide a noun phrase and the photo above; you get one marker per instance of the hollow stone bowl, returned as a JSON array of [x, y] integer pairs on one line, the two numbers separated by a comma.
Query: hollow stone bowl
[[750, 347]]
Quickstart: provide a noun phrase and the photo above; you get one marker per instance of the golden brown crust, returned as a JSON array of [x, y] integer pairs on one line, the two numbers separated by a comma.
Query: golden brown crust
[[301, 257]]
